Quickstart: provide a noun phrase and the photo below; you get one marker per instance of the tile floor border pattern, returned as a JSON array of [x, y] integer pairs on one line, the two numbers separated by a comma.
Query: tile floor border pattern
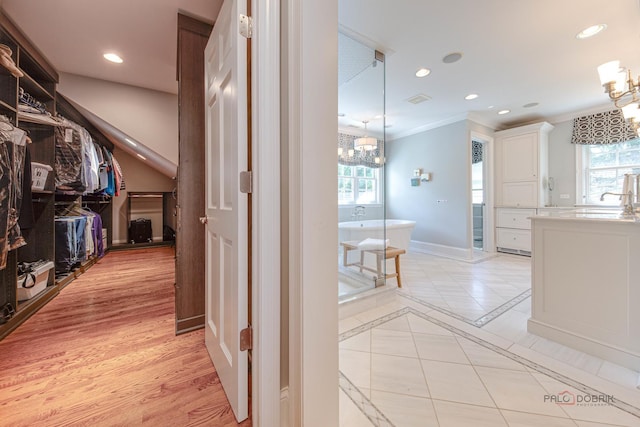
[[373, 414], [479, 322], [363, 403]]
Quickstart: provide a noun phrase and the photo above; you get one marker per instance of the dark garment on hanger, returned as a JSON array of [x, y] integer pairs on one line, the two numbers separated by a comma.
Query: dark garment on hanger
[[97, 235], [111, 180], [69, 160], [70, 245], [26, 219], [5, 196], [16, 148]]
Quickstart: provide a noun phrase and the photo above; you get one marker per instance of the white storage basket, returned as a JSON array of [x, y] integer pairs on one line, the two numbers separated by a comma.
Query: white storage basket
[[31, 284], [39, 173]]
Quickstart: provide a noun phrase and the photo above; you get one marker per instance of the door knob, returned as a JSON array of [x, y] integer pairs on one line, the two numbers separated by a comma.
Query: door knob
[[204, 220]]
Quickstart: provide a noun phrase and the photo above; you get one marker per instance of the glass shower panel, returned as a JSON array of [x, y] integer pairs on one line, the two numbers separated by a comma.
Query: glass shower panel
[[360, 154]]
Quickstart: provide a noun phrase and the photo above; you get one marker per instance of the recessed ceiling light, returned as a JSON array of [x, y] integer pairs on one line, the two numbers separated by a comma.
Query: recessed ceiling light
[[490, 107], [423, 72], [531, 104], [452, 57], [113, 58], [471, 96], [591, 31], [501, 112]]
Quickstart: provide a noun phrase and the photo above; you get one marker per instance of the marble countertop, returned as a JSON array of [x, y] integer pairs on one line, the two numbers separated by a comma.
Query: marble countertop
[[591, 214]]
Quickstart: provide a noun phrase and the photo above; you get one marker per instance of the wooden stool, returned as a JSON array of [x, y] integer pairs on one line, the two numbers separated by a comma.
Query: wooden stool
[[381, 254]]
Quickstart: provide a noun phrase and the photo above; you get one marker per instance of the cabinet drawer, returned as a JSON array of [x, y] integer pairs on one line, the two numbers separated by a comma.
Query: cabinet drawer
[[515, 218], [508, 238]]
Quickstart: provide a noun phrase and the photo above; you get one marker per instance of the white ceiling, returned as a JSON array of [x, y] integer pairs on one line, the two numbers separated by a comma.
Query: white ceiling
[[515, 52], [73, 35]]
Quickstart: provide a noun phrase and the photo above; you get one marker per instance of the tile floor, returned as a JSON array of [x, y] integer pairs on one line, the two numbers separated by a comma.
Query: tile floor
[[451, 349]]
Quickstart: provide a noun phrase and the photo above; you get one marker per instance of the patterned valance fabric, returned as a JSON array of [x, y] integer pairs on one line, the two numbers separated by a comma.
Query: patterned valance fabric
[[476, 152], [602, 128], [346, 143]]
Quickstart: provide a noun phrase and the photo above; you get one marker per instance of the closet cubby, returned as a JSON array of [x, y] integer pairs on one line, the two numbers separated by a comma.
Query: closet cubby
[[39, 81]]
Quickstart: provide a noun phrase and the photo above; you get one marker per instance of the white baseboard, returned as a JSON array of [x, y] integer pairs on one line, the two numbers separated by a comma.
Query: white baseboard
[[471, 255], [441, 250], [284, 407], [621, 356]]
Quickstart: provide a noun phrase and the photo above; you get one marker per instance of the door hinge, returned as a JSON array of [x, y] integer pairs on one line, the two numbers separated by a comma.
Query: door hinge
[[246, 26], [246, 182], [246, 338]]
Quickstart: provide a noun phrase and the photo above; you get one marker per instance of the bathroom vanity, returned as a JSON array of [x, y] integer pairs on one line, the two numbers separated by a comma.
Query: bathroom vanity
[[586, 282]]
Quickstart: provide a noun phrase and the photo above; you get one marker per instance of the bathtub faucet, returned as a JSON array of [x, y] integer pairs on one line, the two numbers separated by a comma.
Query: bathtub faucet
[[358, 212]]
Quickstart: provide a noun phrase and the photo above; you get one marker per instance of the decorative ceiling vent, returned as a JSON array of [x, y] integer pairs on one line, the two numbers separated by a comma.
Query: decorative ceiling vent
[[417, 99]]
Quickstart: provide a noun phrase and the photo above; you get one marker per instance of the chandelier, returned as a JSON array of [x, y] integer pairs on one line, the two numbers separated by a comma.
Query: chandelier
[[622, 90], [365, 150], [365, 143]]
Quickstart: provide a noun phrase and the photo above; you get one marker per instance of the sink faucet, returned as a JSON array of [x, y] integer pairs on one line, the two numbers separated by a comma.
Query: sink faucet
[[628, 200], [358, 212]]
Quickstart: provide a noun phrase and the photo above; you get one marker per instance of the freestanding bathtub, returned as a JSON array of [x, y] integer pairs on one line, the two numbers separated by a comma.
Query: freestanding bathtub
[[398, 231]]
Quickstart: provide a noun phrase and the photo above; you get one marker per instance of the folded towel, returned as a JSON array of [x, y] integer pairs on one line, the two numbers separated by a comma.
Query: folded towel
[[627, 185], [371, 244]]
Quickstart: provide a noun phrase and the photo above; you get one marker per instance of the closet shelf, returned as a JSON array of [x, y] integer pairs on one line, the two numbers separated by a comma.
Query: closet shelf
[[7, 106], [35, 89], [39, 119]]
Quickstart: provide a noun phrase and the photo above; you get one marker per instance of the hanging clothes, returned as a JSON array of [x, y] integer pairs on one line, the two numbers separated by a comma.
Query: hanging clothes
[[27, 218], [5, 196], [15, 142], [103, 178], [111, 181], [68, 166], [119, 185], [70, 244]]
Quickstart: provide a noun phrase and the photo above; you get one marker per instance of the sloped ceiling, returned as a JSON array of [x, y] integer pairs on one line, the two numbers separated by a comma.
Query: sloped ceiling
[[126, 142]]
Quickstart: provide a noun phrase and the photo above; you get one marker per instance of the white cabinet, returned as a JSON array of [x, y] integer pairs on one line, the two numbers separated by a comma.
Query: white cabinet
[[513, 230], [520, 153], [522, 166], [521, 183]]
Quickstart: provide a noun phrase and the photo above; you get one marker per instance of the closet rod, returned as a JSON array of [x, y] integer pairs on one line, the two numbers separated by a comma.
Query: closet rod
[[137, 196]]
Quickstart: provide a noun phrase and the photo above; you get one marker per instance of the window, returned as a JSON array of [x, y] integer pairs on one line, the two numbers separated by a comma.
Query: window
[[358, 185], [604, 167]]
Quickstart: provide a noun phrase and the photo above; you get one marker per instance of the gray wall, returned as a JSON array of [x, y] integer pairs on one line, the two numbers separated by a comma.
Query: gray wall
[[562, 164], [444, 152]]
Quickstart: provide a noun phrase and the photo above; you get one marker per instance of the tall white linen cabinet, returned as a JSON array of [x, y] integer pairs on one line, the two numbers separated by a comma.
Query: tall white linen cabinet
[[522, 183]]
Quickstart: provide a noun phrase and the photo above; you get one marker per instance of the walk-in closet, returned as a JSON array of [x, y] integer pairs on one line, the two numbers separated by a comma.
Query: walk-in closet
[[58, 178]]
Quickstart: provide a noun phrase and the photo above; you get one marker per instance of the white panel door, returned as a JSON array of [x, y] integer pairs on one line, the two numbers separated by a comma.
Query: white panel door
[[227, 244], [520, 158]]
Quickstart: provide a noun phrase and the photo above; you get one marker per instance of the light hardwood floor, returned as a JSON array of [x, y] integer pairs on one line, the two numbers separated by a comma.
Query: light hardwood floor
[[104, 353]]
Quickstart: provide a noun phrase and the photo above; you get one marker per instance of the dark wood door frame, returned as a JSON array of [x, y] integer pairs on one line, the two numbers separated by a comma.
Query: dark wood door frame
[[190, 236]]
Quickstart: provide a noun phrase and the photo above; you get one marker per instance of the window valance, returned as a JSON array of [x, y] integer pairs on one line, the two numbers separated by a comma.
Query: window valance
[[609, 127], [476, 152]]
